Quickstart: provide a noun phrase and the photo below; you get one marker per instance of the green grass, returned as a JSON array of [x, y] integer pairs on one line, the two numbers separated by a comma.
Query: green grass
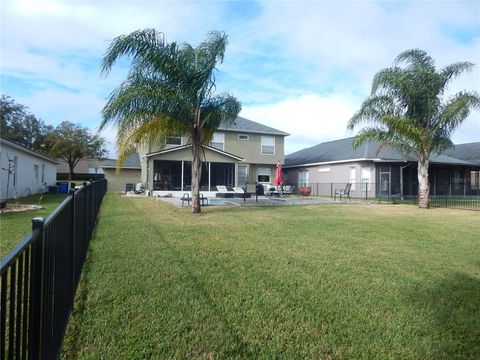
[[319, 282], [15, 226]]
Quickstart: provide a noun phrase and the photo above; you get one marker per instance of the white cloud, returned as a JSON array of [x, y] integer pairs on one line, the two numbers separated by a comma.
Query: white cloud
[[310, 119]]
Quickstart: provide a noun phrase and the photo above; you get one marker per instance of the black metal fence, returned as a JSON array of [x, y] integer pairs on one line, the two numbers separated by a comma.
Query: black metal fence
[[40, 276], [383, 192], [467, 202]]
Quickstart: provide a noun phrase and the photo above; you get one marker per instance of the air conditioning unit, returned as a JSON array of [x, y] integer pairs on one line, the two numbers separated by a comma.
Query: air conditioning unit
[[52, 190]]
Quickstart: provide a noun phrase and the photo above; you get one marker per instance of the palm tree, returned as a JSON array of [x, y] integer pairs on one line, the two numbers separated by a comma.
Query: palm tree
[[408, 111], [169, 91]]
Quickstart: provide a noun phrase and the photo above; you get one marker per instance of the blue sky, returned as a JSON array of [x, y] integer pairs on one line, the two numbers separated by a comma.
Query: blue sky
[[300, 66]]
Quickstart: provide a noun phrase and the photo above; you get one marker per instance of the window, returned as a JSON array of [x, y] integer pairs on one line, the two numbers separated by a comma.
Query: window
[[15, 164], [218, 141], [365, 178], [303, 178], [268, 145], [264, 174], [353, 177], [243, 137], [475, 180], [35, 170], [242, 175], [43, 173], [174, 140]]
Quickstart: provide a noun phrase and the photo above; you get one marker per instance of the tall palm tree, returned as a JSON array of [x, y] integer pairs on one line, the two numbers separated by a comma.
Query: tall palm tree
[[408, 111], [169, 91]]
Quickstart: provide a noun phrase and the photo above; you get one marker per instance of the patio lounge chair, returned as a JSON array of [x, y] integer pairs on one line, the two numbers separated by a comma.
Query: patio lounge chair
[[240, 192], [224, 192], [343, 192]]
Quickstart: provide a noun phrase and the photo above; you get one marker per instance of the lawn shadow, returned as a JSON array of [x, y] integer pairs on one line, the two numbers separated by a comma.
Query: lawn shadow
[[452, 307]]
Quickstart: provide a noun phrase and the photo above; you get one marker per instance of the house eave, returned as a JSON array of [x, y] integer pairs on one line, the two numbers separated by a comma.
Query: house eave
[[161, 152], [28, 151], [331, 162]]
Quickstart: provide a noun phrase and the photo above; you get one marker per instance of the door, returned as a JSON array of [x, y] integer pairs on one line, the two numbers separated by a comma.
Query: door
[[385, 184]]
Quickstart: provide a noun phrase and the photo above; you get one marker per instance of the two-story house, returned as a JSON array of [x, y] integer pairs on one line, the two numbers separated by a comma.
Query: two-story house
[[245, 151]]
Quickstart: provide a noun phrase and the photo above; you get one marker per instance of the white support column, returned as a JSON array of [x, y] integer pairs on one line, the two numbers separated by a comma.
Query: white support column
[[235, 175], [209, 168], [181, 185]]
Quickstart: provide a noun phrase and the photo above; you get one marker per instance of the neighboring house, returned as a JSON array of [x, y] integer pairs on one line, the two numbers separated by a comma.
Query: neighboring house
[[85, 169], [30, 172], [382, 170], [245, 151]]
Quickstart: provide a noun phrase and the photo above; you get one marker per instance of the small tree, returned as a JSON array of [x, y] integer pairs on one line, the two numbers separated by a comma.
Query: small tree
[[409, 112], [71, 142]]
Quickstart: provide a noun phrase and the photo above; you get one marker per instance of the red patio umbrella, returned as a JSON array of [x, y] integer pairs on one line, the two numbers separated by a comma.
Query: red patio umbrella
[[278, 181]]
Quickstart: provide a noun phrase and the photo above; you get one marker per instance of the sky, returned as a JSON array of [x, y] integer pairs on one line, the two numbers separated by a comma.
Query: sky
[[303, 67]]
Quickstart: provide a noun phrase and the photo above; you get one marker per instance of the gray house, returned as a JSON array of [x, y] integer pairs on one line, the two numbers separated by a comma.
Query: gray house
[[382, 170], [245, 151]]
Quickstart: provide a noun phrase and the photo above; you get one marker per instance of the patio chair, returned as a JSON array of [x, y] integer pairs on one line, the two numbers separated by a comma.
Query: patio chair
[[224, 192], [287, 190], [343, 192], [269, 190], [139, 188], [186, 197]]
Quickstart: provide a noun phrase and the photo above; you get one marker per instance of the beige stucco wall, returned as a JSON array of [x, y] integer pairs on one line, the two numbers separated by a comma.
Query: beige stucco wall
[[117, 181], [336, 174], [251, 149]]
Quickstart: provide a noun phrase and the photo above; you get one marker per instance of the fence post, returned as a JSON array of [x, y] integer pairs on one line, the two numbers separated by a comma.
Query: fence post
[[36, 292], [85, 230], [73, 239], [331, 190]]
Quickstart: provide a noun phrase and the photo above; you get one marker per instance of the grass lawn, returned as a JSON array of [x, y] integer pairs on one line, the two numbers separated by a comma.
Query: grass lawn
[[321, 282], [15, 226]]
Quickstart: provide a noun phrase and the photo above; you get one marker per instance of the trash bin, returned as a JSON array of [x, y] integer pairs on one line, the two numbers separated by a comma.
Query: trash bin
[[63, 187], [260, 189]]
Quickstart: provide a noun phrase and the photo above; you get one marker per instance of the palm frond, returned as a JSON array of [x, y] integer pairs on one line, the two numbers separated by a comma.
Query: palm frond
[[451, 71], [456, 110], [415, 57], [140, 43], [373, 109]]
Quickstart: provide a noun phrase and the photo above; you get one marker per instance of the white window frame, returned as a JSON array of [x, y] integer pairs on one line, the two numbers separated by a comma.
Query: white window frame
[[264, 171], [242, 166], [35, 171], [303, 178], [218, 138], [173, 137], [245, 137], [366, 177], [267, 141], [353, 176]]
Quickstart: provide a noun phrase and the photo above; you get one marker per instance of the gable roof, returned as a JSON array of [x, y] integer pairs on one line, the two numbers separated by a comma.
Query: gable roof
[[244, 125], [132, 161], [468, 152], [342, 151], [164, 151], [4, 141]]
